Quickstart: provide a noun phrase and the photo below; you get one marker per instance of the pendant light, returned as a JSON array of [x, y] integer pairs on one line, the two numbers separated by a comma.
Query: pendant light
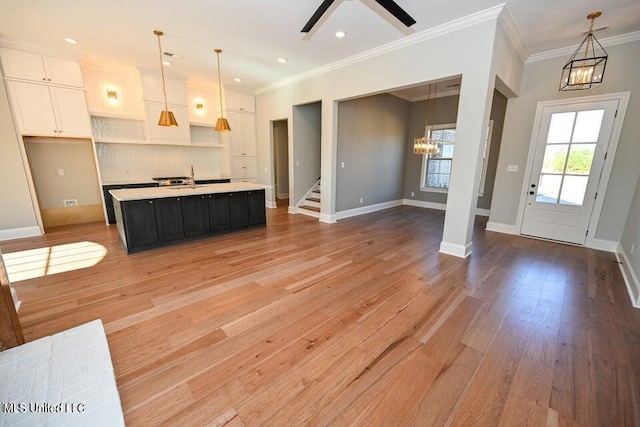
[[585, 70], [426, 144], [222, 125], [166, 117]]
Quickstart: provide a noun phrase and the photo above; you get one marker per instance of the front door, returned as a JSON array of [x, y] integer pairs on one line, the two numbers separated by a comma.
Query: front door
[[569, 156]]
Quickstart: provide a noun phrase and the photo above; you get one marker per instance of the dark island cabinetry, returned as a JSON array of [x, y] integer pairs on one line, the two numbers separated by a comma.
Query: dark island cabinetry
[[149, 223]]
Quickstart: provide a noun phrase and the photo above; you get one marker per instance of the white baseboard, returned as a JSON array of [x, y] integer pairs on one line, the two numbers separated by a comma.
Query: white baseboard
[[271, 205], [293, 210], [368, 209], [329, 219], [630, 277], [501, 228], [605, 245], [459, 251], [19, 233], [283, 196], [438, 206]]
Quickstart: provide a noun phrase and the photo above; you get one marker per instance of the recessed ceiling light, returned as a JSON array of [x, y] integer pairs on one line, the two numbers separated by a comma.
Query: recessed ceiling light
[[166, 63], [282, 60], [70, 40], [238, 79], [340, 34]]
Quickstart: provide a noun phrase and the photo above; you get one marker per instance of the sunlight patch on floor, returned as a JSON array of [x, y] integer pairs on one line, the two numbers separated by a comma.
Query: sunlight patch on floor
[[34, 263]]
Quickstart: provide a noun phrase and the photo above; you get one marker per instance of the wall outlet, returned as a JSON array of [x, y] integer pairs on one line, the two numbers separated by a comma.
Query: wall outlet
[[297, 163], [512, 168], [61, 172], [342, 165], [361, 200], [266, 169], [413, 194]]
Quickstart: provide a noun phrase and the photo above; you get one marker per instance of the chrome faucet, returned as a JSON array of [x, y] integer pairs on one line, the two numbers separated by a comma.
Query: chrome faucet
[[193, 178]]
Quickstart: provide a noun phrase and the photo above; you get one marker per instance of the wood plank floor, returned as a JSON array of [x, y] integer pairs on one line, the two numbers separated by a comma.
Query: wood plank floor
[[356, 323]]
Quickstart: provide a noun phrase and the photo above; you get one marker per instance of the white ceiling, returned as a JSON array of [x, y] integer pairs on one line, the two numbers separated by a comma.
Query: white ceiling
[[255, 33]]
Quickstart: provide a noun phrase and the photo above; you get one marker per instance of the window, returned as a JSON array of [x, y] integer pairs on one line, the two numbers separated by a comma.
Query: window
[[436, 168]]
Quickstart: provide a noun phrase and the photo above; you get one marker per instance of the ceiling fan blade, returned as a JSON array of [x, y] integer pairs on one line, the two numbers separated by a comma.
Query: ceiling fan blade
[[326, 4], [393, 8]]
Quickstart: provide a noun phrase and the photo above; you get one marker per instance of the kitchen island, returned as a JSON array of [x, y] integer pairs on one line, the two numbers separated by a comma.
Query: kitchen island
[[148, 218]]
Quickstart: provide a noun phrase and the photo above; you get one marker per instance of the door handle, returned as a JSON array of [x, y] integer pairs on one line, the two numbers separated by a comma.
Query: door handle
[[531, 192]]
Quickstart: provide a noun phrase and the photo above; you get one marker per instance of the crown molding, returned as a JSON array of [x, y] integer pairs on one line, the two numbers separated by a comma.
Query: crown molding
[[514, 35], [432, 33], [38, 49], [568, 50]]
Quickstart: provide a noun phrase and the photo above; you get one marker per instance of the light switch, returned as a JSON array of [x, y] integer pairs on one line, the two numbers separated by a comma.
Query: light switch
[[266, 169], [342, 165], [297, 163], [512, 168], [61, 172]]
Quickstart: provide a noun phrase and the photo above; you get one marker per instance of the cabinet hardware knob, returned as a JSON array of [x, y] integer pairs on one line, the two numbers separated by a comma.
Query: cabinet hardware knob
[[150, 202], [178, 198], [531, 192]]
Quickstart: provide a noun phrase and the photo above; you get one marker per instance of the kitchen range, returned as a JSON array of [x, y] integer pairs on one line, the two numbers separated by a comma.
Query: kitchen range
[[153, 216]]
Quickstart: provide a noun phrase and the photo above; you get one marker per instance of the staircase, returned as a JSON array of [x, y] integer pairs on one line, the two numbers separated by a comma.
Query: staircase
[[310, 203]]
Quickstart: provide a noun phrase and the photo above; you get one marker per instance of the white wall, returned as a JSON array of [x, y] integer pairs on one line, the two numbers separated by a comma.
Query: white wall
[[17, 215], [540, 83], [631, 247]]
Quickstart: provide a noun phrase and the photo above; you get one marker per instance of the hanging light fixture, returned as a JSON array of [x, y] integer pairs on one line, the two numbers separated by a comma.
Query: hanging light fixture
[[585, 70], [222, 125], [427, 144], [166, 117]]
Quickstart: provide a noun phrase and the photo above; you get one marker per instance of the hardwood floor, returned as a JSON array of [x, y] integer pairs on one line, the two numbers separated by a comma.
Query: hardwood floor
[[361, 322]]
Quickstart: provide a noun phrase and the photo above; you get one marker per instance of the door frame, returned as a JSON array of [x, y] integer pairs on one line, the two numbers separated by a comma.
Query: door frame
[[601, 188]]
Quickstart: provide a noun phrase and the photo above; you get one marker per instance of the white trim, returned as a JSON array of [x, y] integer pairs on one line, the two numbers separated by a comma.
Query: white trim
[[604, 245], [568, 50], [19, 233], [431, 33], [455, 250], [282, 196], [630, 277], [423, 204], [270, 204], [293, 210], [514, 35], [329, 219], [38, 49], [368, 209], [439, 206], [501, 228], [307, 212], [623, 102]]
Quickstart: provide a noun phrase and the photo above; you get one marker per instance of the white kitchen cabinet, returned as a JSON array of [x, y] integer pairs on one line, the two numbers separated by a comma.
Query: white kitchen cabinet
[[178, 135], [243, 167], [242, 138], [49, 111], [38, 68], [237, 101], [126, 85]]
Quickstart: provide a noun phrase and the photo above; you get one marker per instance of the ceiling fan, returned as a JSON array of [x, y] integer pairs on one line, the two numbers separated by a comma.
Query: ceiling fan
[[388, 9]]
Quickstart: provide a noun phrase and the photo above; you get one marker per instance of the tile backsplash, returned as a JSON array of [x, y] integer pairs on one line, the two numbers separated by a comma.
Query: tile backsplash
[[121, 163]]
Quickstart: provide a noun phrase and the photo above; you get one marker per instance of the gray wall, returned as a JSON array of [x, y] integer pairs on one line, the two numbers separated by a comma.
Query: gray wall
[[446, 112], [16, 209], [371, 142], [307, 121], [75, 158], [631, 235], [540, 83], [281, 157]]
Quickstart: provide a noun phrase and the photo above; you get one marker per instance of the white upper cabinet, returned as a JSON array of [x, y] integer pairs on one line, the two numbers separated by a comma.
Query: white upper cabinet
[[179, 135], [237, 101], [38, 68], [242, 138], [49, 111], [203, 105]]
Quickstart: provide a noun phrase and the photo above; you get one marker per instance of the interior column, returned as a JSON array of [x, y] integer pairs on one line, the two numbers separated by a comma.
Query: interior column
[[329, 159], [476, 95]]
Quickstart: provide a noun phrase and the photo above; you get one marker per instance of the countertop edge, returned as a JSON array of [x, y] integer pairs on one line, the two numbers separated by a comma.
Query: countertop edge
[[131, 194]]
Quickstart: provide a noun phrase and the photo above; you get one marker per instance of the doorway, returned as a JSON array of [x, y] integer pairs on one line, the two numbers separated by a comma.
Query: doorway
[[280, 140], [570, 149]]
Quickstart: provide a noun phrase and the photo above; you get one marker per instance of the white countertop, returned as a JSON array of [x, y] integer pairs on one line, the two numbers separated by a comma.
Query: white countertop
[[180, 191]]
